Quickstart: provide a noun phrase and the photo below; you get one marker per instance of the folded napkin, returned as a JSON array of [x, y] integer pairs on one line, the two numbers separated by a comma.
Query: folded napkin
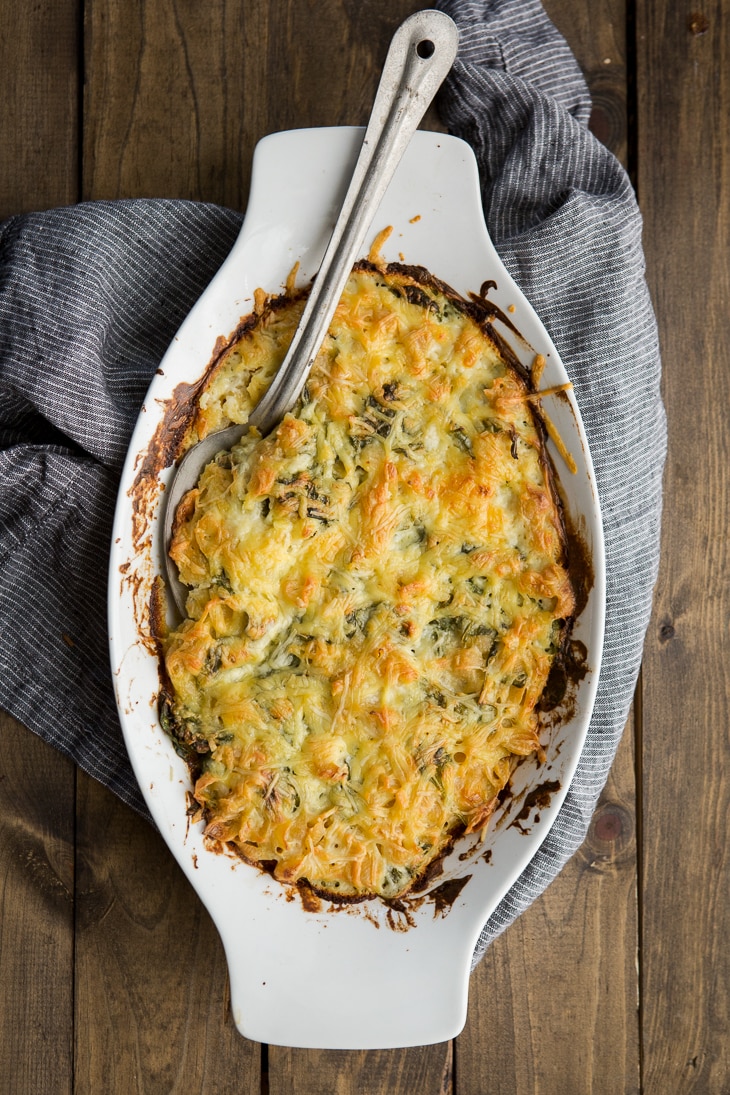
[[90, 297]]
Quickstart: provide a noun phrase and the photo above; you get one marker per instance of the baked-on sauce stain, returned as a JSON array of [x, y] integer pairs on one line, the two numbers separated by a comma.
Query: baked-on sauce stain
[[539, 796], [580, 561], [567, 671], [401, 909], [399, 917], [445, 895], [476, 852], [536, 797], [311, 902]]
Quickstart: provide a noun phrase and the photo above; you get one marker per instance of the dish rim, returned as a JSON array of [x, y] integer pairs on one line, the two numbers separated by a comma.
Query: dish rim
[[335, 146]]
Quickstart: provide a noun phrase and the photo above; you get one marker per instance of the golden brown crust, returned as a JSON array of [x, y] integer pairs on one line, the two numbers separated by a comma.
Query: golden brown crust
[[378, 590]]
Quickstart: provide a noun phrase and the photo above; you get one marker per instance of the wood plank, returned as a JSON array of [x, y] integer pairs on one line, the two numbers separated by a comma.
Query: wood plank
[[531, 1027], [427, 1070], [39, 46], [162, 104], [684, 179], [152, 1007], [180, 93], [36, 914], [553, 1002]]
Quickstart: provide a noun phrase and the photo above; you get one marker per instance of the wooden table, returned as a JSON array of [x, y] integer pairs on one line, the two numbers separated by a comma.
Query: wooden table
[[112, 978]]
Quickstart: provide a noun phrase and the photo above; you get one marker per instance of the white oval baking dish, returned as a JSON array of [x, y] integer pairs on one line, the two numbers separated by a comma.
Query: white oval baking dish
[[367, 975]]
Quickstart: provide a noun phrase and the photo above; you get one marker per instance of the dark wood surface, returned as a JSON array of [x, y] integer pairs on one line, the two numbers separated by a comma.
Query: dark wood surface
[[112, 977]]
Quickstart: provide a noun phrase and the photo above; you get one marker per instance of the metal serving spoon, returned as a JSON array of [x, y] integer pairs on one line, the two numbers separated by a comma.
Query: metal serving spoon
[[421, 53]]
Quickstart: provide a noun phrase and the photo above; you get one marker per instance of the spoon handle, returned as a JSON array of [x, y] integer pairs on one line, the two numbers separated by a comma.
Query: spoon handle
[[421, 53]]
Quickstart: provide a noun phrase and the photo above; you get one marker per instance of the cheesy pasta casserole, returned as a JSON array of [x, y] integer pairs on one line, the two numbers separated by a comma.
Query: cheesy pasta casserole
[[377, 590]]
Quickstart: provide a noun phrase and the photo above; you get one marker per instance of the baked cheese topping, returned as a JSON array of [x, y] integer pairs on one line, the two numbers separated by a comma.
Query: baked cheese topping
[[377, 591]]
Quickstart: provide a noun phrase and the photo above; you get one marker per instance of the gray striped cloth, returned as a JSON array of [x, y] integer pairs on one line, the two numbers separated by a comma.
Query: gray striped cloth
[[90, 297]]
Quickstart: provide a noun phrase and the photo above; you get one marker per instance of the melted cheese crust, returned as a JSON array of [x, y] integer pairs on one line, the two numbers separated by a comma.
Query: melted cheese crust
[[377, 592]]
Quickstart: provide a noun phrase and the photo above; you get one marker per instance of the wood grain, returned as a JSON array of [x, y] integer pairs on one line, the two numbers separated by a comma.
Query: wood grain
[[180, 92], [553, 1003], [427, 1070], [36, 914], [152, 1008], [39, 80], [684, 182]]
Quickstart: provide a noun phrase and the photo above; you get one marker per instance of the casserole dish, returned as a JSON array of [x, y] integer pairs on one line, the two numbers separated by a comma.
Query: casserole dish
[[304, 972]]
